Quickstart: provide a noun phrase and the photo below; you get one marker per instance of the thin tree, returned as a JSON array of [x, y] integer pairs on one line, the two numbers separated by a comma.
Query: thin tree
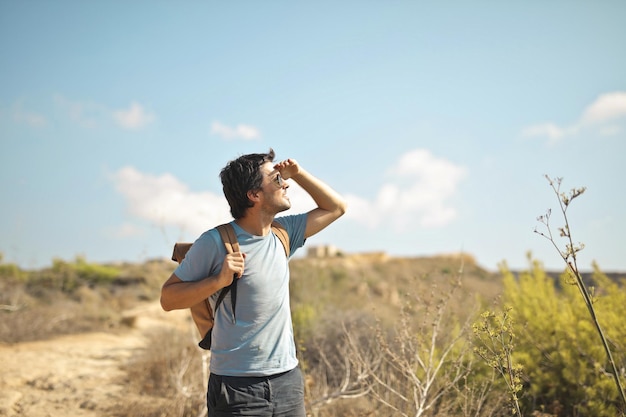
[[569, 256]]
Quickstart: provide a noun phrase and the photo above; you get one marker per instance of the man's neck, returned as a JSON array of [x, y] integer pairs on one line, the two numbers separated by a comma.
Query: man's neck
[[255, 225]]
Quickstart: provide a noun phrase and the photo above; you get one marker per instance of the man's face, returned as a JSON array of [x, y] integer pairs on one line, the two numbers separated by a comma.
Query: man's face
[[274, 189]]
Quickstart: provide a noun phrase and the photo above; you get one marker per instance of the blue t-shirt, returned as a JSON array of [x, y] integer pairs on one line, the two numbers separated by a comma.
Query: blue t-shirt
[[260, 341]]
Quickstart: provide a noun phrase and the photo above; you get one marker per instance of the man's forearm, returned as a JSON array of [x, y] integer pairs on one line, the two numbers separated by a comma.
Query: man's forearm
[[330, 205], [324, 196], [177, 294]]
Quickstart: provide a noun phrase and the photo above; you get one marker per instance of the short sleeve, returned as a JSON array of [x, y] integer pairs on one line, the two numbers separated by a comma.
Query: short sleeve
[[204, 258]]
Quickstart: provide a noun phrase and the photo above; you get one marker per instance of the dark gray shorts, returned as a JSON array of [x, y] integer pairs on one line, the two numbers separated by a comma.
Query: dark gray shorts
[[271, 396]]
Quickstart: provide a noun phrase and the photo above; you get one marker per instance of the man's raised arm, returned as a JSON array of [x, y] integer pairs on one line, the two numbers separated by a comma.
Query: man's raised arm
[[330, 205]]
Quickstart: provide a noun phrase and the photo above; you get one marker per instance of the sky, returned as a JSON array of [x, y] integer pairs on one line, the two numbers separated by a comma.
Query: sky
[[436, 121]]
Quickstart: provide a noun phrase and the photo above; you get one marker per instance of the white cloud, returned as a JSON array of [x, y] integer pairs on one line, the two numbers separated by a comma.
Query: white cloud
[[125, 230], [91, 115], [606, 108], [549, 130], [610, 130], [165, 201], [27, 117], [135, 117], [417, 193], [85, 114], [244, 132]]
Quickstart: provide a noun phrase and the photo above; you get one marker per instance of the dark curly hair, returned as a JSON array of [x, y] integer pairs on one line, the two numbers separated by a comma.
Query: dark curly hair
[[240, 176]]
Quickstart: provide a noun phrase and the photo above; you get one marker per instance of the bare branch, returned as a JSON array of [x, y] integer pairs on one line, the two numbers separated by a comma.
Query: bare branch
[[569, 256]]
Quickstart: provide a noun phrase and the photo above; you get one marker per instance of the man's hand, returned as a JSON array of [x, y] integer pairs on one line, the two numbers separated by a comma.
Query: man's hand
[[330, 205], [233, 265], [178, 294], [288, 168]]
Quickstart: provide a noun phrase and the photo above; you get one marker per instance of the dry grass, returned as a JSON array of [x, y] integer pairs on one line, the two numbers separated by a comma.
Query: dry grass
[[166, 378], [38, 307], [378, 286]]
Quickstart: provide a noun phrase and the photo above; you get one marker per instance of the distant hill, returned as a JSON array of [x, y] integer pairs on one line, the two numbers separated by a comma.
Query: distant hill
[[368, 285]]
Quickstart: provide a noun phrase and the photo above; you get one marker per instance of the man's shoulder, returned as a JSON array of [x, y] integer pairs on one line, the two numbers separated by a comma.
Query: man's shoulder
[[291, 220], [207, 241], [295, 226], [210, 235]]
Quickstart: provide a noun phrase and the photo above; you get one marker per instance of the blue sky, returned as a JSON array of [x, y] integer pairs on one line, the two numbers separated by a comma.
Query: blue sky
[[436, 120]]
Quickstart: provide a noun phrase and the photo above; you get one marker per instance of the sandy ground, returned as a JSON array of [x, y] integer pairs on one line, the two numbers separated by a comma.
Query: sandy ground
[[75, 375]]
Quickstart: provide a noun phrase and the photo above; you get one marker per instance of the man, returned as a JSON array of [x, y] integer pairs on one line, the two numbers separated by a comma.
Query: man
[[254, 370]]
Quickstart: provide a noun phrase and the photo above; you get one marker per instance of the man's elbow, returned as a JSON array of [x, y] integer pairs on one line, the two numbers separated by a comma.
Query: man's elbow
[[167, 294], [341, 208], [165, 305]]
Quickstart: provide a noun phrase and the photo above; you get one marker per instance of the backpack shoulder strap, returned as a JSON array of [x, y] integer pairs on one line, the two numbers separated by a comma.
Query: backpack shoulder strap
[[280, 232], [227, 233]]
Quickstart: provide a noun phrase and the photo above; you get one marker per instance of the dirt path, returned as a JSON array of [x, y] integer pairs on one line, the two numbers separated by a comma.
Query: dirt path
[[74, 375]]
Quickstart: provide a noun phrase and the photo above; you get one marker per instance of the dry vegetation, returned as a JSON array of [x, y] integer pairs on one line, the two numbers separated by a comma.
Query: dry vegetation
[[71, 298], [342, 307], [376, 336]]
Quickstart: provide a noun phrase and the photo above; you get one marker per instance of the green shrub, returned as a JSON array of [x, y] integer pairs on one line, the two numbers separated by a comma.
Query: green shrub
[[68, 276], [564, 362]]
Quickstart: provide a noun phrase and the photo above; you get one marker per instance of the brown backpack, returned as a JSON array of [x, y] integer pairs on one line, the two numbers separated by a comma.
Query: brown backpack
[[202, 313]]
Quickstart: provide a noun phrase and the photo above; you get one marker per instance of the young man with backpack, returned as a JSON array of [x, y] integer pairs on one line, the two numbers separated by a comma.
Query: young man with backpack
[[254, 369]]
